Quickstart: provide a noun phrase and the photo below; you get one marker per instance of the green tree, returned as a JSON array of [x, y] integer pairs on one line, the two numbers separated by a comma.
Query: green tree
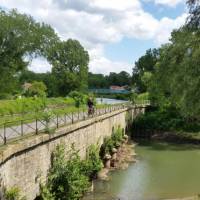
[[47, 78], [20, 36], [177, 73], [36, 89], [70, 66], [144, 64], [193, 20]]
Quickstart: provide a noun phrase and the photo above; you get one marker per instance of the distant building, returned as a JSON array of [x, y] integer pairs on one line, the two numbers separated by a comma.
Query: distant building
[[115, 87]]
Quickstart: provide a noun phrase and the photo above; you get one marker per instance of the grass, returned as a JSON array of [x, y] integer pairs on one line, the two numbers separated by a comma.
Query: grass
[[12, 120]]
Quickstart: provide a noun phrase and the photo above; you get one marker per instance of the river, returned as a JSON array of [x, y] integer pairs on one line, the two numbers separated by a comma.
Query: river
[[109, 101], [163, 171]]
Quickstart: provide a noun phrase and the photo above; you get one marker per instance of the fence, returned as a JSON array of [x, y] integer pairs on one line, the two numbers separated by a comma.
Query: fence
[[16, 129]]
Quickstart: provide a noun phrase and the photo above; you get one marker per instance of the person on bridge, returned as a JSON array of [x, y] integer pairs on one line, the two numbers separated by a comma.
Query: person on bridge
[[90, 104]]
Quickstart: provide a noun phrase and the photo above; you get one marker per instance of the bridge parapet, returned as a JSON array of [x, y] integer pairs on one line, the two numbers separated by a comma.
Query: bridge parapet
[[26, 163]]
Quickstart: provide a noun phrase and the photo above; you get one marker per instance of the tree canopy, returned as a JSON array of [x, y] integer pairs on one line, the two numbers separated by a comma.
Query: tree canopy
[[70, 66], [20, 37], [143, 69]]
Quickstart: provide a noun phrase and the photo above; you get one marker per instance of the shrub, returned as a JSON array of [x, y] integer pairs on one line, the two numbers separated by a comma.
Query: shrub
[[13, 194], [36, 89], [66, 179], [117, 136], [93, 163], [111, 142], [168, 119], [78, 97]]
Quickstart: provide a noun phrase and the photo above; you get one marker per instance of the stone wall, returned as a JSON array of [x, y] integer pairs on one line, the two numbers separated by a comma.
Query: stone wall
[[25, 164]]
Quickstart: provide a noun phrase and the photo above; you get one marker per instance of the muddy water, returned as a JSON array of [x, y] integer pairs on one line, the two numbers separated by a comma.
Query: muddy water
[[163, 171]]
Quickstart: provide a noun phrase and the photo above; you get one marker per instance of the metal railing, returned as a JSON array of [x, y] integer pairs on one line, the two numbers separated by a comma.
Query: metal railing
[[15, 129]]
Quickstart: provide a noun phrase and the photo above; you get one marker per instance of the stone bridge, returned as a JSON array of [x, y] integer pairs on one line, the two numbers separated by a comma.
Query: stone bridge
[[25, 164]]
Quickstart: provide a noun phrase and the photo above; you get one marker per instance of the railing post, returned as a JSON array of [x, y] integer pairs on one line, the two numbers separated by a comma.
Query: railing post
[[4, 133], [36, 126], [78, 114], [22, 129], [83, 114], [65, 118], [57, 121], [72, 117]]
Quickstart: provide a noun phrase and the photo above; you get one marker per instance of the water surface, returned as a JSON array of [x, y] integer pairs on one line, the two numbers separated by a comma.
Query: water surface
[[163, 171], [109, 101]]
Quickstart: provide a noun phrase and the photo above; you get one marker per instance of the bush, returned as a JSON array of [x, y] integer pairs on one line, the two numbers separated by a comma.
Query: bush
[[36, 89], [112, 142], [66, 179], [78, 97], [117, 136], [93, 163], [13, 194], [69, 178], [168, 119]]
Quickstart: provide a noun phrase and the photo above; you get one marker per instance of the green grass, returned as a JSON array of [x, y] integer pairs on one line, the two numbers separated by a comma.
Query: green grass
[[12, 120], [30, 105]]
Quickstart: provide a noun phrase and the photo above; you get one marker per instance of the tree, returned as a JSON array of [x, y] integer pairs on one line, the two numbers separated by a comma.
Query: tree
[[47, 78], [144, 64], [97, 81], [70, 66], [177, 73], [20, 36], [193, 20], [36, 89]]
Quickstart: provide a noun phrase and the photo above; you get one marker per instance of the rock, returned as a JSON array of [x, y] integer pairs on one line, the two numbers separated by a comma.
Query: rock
[[107, 157], [103, 174]]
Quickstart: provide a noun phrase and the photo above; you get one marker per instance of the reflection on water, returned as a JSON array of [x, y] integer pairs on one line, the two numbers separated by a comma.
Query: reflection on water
[[163, 171], [109, 101]]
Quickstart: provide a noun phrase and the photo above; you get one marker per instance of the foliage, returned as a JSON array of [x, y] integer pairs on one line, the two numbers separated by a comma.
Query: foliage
[[66, 180], [142, 97], [143, 70], [33, 104], [193, 20], [170, 74], [47, 116], [112, 142], [117, 136], [69, 175], [105, 81], [78, 97], [107, 146], [37, 89], [20, 36], [70, 66], [93, 163], [13, 194], [47, 78], [168, 119], [176, 80]]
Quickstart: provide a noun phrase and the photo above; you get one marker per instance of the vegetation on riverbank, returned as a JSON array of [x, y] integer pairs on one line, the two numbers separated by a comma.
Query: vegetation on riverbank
[[69, 177], [170, 74]]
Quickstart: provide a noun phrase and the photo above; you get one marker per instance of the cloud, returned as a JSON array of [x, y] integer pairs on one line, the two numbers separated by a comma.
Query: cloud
[[172, 3], [96, 23], [165, 27], [39, 65]]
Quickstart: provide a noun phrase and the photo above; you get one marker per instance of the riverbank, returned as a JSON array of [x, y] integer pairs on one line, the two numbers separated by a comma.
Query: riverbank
[[125, 155], [177, 137], [188, 198]]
